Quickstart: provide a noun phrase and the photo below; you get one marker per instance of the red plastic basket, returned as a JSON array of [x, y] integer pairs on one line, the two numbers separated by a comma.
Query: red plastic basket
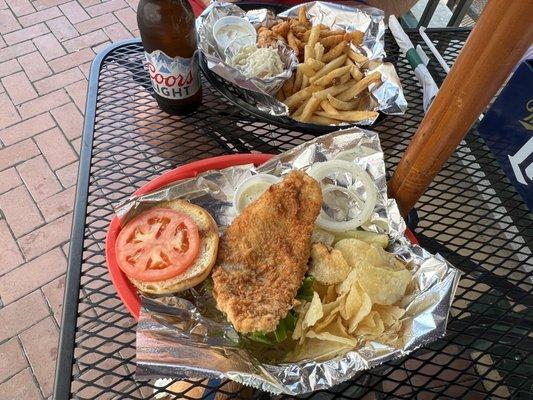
[[126, 291]]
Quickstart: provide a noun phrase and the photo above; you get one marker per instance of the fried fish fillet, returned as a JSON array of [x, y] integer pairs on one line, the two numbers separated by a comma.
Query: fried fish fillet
[[263, 254]]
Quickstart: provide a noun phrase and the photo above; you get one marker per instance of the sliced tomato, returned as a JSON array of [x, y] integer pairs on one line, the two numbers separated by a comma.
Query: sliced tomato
[[158, 244]]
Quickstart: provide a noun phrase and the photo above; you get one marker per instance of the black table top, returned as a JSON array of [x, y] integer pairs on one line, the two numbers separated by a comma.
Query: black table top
[[471, 215]]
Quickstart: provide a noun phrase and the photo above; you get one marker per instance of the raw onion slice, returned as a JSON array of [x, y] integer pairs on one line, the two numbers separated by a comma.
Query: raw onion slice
[[320, 171]]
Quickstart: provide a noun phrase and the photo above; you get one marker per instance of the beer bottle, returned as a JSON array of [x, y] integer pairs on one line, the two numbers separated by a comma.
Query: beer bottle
[[168, 34]]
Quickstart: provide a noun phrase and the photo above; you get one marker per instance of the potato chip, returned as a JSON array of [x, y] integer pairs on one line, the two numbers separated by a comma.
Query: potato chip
[[335, 332], [371, 326], [351, 302], [321, 325], [389, 314], [301, 310], [392, 336], [354, 250], [314, 312], [330, 311], [345, 286], [297, 333], [327, 266], [364, 236], [380, 274], [315, 349], [332, 307], [331, 294], [362, 312], [384, 286], [357, 306], [321, 289]]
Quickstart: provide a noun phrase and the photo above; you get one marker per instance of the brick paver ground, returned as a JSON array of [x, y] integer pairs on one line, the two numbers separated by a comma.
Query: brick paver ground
[[46, 47]]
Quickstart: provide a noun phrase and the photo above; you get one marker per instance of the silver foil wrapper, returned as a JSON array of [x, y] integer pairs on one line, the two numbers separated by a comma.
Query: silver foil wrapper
[[387, 98], [185, 336]]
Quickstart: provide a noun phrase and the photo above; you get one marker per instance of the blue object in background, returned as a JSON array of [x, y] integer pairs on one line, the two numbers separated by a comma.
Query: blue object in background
[[507, 128]]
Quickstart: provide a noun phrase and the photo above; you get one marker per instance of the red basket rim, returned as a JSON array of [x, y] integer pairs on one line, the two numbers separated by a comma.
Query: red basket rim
[[126, 291]]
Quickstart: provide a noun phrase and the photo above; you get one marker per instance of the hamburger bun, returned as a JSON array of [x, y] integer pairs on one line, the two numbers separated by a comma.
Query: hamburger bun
[[204, 262]]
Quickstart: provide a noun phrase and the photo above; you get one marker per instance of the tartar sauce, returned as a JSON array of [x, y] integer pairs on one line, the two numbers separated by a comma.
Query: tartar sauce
[[254, 62], [228, 33], [252, 193], [251, 188]]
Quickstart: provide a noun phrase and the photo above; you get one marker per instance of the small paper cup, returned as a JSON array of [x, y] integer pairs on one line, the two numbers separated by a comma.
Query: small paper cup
[[222, 41]]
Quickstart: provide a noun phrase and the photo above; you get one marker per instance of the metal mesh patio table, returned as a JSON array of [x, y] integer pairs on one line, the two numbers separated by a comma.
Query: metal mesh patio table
[[471, 215]]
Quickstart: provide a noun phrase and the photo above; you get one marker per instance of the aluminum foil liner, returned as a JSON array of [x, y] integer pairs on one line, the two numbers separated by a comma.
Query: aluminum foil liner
[[387, 97], [185, 336]]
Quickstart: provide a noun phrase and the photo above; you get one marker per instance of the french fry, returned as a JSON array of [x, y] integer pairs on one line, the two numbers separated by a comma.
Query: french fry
[[355, 73], [328, 32], [309, 52], [300, 109], [357, 37], [333, 90], [314, 36], [315, 64], [326, 69], [360, 86], [305, 81], [296, 23], [359, 59], [288, 87], [324, 33], [327, 107], [293, 42], [316, 119], [328, 78], [342, 105], [319, 51], [342, 79], [302, 17], [334, 52], [306, 69], [309, 109], [297, 81], [331, 41], [349, 116], [298, 29], [301, 95]]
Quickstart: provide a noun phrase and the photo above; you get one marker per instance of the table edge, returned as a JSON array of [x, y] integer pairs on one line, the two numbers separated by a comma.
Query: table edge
[[65, 354]]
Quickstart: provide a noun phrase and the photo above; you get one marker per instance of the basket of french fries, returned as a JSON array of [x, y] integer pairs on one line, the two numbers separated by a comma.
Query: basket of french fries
[[315, 66]]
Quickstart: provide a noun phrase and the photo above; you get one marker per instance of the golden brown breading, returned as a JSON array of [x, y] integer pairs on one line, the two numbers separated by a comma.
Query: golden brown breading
[[263, 254]]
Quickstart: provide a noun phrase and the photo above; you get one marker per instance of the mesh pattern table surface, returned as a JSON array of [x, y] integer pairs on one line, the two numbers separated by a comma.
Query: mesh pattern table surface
[[471, 214]]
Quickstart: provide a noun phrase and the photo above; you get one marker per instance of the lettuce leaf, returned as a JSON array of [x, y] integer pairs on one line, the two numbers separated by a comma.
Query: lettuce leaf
[[306, 290]]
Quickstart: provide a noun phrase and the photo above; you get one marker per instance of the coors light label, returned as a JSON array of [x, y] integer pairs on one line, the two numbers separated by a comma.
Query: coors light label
[[173, 78]]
